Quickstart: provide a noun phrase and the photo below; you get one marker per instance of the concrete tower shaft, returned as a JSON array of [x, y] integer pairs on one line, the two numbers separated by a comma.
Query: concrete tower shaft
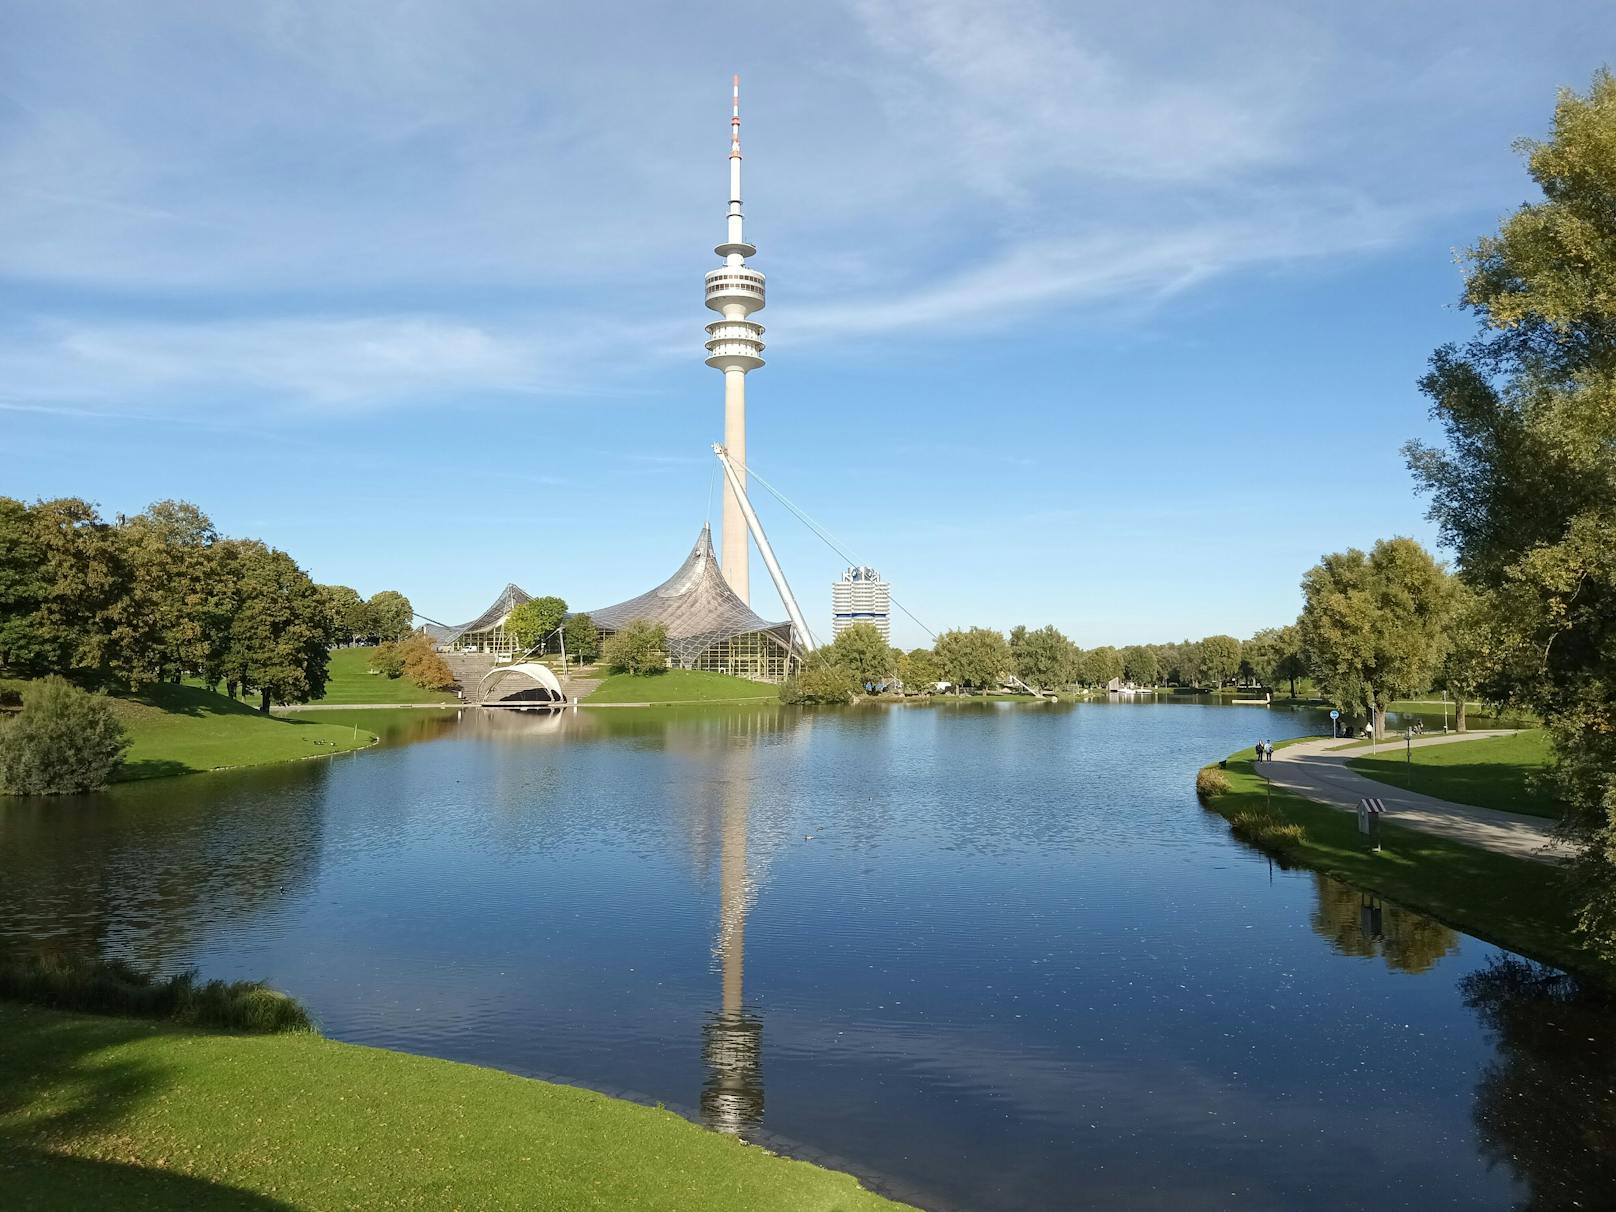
[[735, 346]]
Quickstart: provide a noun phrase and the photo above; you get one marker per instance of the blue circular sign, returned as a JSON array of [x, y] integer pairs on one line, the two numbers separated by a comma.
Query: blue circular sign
[[1335, 715]]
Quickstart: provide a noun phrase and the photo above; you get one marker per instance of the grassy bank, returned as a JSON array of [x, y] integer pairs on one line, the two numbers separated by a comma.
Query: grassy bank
[[112, 1112], [1516, 903], [1493, 772], [349, 680], [188, 729], [679, 686]]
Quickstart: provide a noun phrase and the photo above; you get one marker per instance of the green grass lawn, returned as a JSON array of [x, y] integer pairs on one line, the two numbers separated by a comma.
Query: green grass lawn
[[1493, 772], [349, 680], [122, 1113], [185, 730], [679, 686], [1516, 903]]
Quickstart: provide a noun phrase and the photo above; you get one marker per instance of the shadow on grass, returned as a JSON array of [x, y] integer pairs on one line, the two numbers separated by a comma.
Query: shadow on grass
[[1497, 785], [153, 768], [61, 1080]]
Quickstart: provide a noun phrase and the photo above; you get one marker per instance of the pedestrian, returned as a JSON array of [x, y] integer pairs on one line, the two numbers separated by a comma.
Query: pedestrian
[[1259, 749], [1268, 751]]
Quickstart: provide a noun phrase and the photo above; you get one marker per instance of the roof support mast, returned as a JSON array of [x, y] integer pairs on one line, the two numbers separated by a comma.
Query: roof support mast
[[773, 565]]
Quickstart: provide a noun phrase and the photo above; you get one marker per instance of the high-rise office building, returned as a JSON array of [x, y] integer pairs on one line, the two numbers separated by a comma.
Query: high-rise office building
[[861, 596]]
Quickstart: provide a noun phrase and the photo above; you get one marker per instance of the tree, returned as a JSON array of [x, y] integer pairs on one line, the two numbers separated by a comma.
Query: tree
[[582, 637], [976, 658], [346, 612], [1470, 657], [179, 613], [27, 647], [1374, 623], [85, 607], [1044, 658], [535, 621], [387, 659], [1220, 659], [861, 650], [919, 671], [278, 642], [1141, 665], [1524, 488], [63, 742], [640, 647], [389, 615], [1100, 665]]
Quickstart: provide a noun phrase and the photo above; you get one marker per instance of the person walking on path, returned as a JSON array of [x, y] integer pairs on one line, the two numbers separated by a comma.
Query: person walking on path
[[1257, 748], [1268, 751]]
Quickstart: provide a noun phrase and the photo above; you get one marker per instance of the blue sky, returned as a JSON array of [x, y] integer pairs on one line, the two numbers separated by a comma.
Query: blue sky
[[1103, 315]]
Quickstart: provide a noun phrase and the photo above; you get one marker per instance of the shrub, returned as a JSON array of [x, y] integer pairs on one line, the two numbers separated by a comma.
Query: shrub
[[63, 742], [1265, 830], [419, 661], [99, 986], [640, 647], [821, 680], [1211, 782]]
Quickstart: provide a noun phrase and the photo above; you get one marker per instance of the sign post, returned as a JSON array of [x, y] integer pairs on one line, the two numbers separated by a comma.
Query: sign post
[[1334, 716]]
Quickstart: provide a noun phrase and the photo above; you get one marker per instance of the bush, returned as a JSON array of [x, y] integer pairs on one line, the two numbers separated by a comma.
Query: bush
[[419, 661], [1265, 830], [822, 680], [98, 986], [640, 647], [63, 742], [1211, 782]]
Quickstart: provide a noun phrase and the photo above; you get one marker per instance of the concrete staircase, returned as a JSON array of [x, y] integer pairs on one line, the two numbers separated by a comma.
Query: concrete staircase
[[468, 669]]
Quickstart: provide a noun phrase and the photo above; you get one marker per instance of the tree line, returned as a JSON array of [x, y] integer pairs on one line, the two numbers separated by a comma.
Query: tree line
[[162, 595]]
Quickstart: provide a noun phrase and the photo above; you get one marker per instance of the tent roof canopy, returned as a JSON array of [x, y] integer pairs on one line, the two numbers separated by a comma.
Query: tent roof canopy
[[509, 599], [695, 604]]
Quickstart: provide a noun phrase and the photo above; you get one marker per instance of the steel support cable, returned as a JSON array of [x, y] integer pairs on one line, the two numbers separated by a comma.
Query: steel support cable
[[823, 537]]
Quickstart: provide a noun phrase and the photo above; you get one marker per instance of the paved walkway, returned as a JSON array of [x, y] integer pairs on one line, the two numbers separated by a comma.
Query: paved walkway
[[297, 707], [1317, 770]]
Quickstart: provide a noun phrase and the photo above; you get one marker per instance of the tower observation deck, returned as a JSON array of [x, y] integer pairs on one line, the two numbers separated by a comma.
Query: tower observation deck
[[735, 346]]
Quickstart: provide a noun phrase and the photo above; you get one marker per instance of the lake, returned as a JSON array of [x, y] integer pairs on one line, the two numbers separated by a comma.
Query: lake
[[988, 956]]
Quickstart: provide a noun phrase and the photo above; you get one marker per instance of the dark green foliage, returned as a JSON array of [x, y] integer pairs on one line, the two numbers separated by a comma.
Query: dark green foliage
[[100, 986], [582, 638], [977, 658], [388, 615], [536, 620], [63, 742], [1044, 658], [861, 651], [640, 647], [822, 679]]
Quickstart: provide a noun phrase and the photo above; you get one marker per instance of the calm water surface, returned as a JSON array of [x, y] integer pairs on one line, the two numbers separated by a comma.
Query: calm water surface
[[990, 957]]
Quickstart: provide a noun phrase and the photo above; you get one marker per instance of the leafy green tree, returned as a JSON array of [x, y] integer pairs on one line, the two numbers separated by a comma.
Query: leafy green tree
[[1141, 665], [1220, 659], [1374, 623], [861, 650], [1471, 656], [178, 614], [278, 642], [27, 646], [582, 637], [919, 670], [1100, 665], [1524, 489], [85, 611], [1044, 658], [976, 658], [346, 613], [387, 659], [536, 620], [640, 647], [63, 742], [389, 615], [1275, 655]]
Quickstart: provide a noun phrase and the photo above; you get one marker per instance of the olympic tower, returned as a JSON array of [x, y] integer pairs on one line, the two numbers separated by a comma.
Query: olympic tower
[[735, 346]]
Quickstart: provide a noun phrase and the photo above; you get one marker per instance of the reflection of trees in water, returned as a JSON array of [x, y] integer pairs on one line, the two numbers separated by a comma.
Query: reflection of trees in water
[[140, 871], [1546, 1104], [1358, 923]]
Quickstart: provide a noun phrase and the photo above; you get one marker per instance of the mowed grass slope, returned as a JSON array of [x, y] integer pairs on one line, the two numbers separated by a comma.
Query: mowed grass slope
[[349, 680], [679, 686], [186, 729], [120, 1113], [1492, 772]]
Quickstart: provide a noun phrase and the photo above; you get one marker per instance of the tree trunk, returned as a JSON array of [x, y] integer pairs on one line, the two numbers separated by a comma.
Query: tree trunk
[[1379, 719], [1458, 715], [263, 702], [1293, 686]]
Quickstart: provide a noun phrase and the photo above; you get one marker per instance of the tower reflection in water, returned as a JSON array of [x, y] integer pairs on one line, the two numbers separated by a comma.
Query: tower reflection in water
[[732, 1039]]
